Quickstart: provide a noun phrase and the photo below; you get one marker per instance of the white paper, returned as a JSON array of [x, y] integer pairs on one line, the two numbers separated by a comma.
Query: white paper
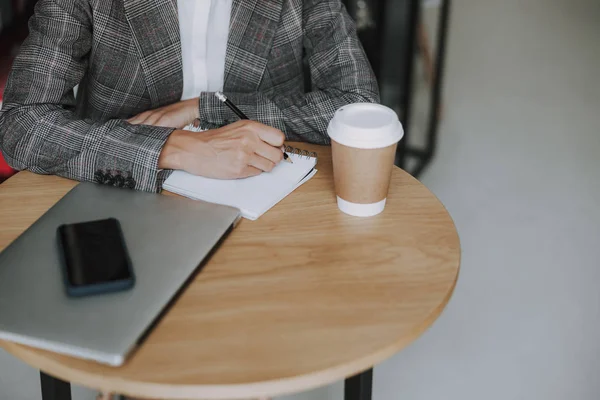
[[253, 196]]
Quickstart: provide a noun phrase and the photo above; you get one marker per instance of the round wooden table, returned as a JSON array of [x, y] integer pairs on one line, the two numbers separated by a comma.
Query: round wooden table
[[303, 297]]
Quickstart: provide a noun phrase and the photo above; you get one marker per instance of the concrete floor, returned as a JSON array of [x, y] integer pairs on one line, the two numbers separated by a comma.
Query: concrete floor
[[517, 168]]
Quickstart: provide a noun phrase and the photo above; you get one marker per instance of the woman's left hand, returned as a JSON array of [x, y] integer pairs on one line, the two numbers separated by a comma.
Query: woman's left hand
[[177, 115]]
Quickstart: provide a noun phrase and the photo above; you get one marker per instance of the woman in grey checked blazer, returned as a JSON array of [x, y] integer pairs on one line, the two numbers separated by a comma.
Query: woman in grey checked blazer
[[124, 128]]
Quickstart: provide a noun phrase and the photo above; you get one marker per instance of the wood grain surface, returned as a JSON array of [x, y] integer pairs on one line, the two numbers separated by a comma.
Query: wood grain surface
[[302, 297]]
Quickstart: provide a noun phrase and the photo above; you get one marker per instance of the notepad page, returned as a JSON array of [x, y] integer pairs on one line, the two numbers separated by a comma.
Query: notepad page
[[253, 196]]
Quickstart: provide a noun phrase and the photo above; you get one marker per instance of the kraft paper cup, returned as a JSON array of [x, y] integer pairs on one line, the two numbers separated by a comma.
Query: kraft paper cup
[[364, 138]]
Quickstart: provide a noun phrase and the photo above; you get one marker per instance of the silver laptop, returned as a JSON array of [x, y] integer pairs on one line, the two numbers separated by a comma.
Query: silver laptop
[[167, 238]]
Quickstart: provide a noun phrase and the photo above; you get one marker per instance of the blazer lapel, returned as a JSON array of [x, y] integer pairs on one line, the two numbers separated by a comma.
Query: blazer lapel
[[251, 31], [155, 27]]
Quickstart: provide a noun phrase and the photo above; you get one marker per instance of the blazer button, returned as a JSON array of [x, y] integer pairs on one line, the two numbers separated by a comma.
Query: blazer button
[[110, 179], [130, 183], [100, 177], [119, 181]]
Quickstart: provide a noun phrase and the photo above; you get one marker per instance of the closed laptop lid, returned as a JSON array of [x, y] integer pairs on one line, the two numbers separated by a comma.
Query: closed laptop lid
[[167, 238]]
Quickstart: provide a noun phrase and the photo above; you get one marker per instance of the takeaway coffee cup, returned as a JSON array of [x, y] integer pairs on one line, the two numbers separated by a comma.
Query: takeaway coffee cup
[[364, 138]]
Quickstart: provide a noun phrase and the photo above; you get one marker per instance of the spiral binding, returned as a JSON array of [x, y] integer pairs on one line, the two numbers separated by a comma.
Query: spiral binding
[[300, 152]]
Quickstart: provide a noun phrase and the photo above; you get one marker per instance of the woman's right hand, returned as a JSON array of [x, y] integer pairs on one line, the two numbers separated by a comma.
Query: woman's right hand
[[242, 149]]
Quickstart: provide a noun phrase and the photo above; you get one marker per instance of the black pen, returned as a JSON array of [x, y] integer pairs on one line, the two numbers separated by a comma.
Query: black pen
[[241, 115]]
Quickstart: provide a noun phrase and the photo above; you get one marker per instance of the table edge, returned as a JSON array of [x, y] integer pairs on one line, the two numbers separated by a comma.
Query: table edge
[[284, 386]]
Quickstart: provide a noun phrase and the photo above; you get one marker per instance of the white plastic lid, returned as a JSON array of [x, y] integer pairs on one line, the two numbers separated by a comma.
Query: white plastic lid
[[365, 126]]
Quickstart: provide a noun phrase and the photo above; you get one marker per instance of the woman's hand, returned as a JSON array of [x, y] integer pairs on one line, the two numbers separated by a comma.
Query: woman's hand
[[177, 115], [242, 149]]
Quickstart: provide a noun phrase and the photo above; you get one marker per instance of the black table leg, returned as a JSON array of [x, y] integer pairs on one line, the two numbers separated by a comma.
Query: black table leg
[[359, 387], [54, 389]]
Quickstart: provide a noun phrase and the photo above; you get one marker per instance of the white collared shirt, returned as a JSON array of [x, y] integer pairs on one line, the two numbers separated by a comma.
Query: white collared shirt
[[204, 30]]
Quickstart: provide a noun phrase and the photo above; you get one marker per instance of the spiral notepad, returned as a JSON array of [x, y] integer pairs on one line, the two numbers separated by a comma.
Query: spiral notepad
[[253, 196]]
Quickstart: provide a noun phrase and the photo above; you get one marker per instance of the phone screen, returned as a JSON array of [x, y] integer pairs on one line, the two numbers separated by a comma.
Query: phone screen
[[95, 253]]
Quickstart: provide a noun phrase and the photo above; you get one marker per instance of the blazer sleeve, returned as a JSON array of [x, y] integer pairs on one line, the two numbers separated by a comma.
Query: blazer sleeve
[[340, 74], [39, 130]]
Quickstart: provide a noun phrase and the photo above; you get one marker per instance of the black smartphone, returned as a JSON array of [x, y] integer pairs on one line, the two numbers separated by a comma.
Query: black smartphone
[[95, 258]]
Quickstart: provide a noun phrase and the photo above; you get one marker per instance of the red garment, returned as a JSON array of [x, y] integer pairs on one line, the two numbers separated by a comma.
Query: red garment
[[22, 10], [5, 170]]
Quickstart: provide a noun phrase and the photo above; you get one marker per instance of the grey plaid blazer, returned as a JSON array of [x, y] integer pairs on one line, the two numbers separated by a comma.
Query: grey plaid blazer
[[125, 55]]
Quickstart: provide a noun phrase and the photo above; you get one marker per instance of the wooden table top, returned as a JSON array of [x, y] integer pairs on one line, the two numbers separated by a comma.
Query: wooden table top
[[303, 297]]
